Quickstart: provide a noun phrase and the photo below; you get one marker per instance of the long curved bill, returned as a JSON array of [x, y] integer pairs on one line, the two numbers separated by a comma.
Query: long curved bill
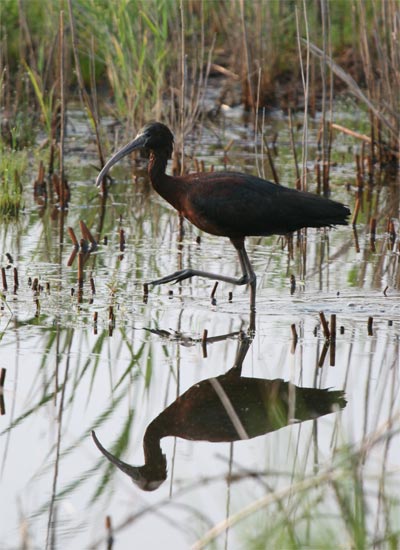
[[143, 476], [137, 143], [132, 471]]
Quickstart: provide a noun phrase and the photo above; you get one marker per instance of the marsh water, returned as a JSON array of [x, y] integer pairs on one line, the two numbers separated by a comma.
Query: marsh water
[[105, 359]]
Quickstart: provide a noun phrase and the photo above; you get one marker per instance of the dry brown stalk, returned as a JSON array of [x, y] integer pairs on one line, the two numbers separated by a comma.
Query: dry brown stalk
[[121, 239], [349, 132], [294, 337], [356, 211], [325, 326], [80, 269], [73, 238], [85, 96], [86, 234], [16, 281], [324, 352], [3, 372], [204, 343], [370, 326], [62, 189], [4, 278]]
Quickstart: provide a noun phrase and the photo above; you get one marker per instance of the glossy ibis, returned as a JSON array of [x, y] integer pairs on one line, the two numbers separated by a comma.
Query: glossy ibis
[[228, 204], [226, 408]]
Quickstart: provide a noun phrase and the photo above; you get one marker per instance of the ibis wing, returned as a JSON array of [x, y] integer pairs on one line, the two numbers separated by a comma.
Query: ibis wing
[[237, 205]]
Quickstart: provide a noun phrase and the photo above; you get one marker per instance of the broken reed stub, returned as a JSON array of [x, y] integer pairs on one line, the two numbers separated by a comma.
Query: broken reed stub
[[292, 284], [324, 324], [145, 292], [3, 372], [111, 317], [4, 278], [80, 269], [86, 234], [333, 326], [372, 228], [294, 337], [121, 240], [356, 211], [92, 287], [2, 381], [110, 537], [204, 343], [16, 280], [332, 352], [323, 354], [214, 290], [72, 236]]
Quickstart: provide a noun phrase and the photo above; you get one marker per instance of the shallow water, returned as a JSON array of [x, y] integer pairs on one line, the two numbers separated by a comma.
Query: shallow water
[[116, 377]]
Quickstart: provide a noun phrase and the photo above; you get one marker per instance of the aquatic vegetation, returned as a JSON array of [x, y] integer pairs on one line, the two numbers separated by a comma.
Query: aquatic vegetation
[[12, 165]]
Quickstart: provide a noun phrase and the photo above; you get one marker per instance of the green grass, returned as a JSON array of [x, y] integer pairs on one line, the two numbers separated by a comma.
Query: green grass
[[12, 165], [134, 48]]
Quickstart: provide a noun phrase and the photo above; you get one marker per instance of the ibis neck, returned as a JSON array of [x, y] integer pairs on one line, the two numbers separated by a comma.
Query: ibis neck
[[157, 166], [151, 447], [169, 188]]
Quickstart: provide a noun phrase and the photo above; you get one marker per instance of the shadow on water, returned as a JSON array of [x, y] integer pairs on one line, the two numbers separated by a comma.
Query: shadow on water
[[226, 408]]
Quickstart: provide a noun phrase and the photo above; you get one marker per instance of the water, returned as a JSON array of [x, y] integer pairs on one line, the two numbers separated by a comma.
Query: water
[[116, 377]]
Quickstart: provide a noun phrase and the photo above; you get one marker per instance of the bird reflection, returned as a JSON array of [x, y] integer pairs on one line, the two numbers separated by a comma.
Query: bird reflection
[[226, 408]]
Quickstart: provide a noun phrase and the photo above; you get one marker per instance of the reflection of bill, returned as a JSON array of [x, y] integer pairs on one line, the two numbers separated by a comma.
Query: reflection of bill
[[226, 408]]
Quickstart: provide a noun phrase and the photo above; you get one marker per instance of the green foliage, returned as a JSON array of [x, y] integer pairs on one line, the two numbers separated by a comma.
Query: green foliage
[[12, 165], [325, 516], [132, 49]]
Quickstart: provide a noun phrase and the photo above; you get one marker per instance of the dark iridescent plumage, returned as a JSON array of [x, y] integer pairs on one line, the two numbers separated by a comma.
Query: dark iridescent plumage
[[228, 204]]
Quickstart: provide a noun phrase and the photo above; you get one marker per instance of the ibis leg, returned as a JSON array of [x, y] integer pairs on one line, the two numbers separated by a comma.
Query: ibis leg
[[178, 276], [249, 277], [252, 280], [250, 274]]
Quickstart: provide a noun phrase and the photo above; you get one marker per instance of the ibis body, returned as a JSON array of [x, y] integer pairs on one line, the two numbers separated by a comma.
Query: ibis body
[[228, 204]]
